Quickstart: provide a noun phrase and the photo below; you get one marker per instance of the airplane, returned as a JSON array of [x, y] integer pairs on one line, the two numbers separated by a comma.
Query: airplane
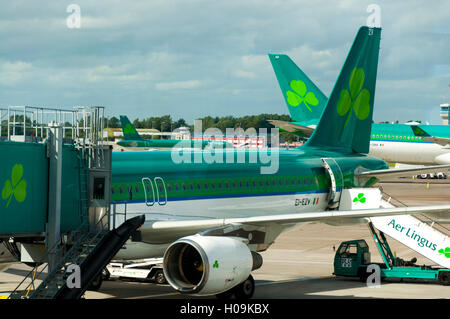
[[133, 139], [210, 220], [392, 142]]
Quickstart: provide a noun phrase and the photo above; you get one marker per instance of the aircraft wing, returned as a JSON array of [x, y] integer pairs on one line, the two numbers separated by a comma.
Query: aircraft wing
[[170, 230], [418, 131], [438, 140], [291, 127], [397, 172]]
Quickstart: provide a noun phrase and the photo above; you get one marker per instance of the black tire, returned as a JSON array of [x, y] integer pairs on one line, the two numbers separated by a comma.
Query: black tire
[[105, 274], [363, 274], [444, 278], [160, 279], [96, 283], [245, 290]]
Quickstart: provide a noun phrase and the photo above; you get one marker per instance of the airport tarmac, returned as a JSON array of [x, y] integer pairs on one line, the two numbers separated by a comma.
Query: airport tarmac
[[299, 265]]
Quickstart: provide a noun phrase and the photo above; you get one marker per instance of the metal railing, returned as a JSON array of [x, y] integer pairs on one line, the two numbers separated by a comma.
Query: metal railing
[[422, 217], [79, 238]]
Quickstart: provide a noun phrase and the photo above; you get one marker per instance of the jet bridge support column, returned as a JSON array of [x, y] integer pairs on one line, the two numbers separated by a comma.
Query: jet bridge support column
[[54, 152]]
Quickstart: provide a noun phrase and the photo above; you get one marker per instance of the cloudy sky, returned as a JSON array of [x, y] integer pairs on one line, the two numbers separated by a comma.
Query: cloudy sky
[[192, 58]]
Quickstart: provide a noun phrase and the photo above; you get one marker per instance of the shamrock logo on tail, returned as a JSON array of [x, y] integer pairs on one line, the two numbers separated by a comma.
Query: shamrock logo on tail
[[445, 251], [357, 100], [15, 187], [129, 129], [300, 95], [360, 198]]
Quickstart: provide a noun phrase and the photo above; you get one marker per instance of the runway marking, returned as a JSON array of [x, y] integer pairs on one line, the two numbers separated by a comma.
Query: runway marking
[[295, 261], [154, 296], [289, 281]]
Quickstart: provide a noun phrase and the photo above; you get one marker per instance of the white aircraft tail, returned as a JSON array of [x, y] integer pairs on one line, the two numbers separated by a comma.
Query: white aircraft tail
[[418, 234]]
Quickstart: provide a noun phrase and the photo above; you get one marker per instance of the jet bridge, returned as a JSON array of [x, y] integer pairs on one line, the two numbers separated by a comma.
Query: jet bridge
[[55, 195]]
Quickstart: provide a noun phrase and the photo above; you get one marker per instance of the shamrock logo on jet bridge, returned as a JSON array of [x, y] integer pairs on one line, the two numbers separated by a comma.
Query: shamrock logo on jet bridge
[[357, 100], [300, 95], [16, 187]]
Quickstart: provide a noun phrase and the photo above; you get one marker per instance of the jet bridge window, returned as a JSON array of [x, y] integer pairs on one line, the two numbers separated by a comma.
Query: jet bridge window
[[99, 188]]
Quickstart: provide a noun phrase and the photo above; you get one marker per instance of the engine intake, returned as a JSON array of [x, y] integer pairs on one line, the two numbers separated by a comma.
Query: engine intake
[[208, 265]]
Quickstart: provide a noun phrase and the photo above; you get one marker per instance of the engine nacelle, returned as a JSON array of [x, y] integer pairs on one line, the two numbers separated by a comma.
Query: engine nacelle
[[208, 265]]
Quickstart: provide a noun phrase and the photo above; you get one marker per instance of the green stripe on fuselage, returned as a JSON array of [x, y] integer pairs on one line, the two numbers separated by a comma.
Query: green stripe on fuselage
[[299, 171], [399, 132]]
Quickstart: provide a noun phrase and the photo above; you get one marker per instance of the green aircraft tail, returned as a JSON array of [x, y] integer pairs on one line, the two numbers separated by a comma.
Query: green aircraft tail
[[347, 119], [129, 132], [303, 98], [419, 131]]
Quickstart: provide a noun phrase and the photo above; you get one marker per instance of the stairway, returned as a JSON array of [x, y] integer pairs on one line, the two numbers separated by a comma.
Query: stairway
[[418, 232], [57, 278]]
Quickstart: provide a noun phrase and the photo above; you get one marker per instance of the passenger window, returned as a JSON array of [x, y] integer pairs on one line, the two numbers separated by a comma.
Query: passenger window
[[136, 188], [112, 190], [184, 186], [206, 185], [177, 188], [169, 187], [120, 189], [191, 186]]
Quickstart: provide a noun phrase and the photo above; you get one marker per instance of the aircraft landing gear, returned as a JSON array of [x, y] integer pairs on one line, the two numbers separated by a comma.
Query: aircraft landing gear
[[243, 291]]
